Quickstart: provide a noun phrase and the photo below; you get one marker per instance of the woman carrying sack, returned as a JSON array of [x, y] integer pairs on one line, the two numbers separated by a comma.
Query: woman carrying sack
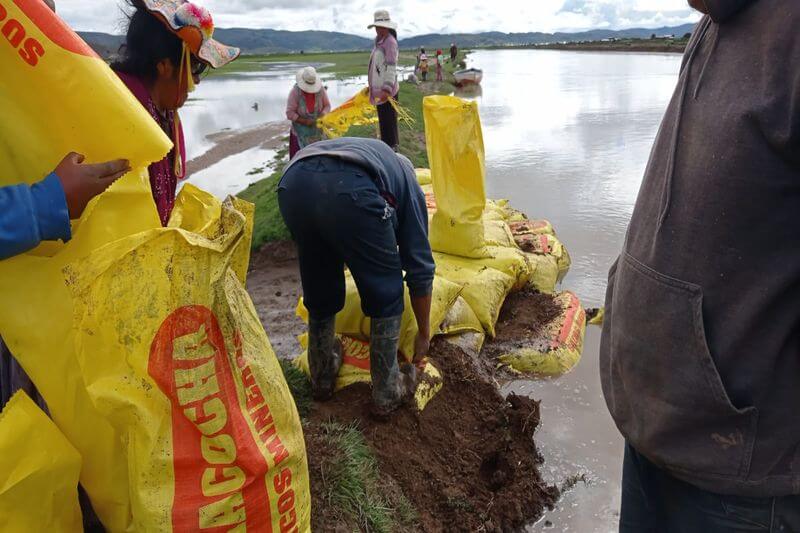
[[383, 85], [308, 102]]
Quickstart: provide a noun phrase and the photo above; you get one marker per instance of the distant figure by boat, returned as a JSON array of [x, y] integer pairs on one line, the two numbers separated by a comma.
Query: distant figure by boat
[[453, 52]]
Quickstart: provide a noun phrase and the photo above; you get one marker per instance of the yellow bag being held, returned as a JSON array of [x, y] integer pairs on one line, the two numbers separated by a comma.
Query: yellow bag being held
[[141, 339], [38, 472]]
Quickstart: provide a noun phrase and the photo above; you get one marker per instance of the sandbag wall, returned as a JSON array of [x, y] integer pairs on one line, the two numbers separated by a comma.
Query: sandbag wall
[[483, 250]]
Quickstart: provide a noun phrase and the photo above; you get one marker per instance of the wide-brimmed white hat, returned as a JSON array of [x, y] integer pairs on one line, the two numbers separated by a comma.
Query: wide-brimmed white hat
[[308, 80], [383, 20]]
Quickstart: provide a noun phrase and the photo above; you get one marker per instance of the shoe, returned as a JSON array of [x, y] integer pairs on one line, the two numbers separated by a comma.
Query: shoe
[[324, 357]]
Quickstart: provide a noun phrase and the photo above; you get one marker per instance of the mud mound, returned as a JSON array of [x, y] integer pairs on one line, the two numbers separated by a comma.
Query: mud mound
[[467, 463]]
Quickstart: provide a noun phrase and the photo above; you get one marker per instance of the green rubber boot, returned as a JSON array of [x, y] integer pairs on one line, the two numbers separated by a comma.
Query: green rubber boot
[[324, 357]]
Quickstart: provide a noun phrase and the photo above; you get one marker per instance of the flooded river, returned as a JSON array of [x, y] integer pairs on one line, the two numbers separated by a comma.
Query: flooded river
[[567, 138]]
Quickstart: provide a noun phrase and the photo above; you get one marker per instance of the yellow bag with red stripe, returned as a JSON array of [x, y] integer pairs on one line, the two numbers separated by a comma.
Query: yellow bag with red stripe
[[141, 339]]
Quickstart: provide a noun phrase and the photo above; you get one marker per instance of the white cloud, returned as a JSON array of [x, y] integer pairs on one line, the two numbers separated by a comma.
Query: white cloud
[[414, 16]]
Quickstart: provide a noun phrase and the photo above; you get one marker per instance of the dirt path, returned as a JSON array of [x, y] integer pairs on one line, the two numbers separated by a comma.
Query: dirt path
[[274, 285], [227, 143]]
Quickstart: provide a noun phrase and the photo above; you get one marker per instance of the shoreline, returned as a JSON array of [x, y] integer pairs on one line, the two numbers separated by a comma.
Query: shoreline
[[590, 47]]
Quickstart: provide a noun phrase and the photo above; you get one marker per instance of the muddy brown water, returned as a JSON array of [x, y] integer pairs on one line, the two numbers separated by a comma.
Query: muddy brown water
[[567, 138]]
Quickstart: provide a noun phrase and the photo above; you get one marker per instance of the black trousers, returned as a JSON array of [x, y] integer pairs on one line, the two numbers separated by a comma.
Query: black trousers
[[337, 217], [655, 502], [387, 120]]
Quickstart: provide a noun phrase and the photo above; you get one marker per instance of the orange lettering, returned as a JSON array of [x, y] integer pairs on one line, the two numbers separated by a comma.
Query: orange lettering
[[283, 481], [31, 52], [14, 32]]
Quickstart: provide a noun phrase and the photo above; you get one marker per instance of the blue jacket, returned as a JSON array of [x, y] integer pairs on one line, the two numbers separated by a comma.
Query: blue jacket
[[30, 214], [395, 177]]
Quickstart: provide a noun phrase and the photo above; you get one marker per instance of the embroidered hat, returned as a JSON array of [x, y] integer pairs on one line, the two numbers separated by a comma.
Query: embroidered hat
[[194, 25], [383, 20]]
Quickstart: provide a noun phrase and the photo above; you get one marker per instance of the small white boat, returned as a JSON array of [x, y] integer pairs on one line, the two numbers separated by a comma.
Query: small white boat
[[468, 76]]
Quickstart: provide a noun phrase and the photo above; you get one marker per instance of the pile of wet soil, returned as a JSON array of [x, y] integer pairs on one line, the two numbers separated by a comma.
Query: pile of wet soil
[[466, 463]]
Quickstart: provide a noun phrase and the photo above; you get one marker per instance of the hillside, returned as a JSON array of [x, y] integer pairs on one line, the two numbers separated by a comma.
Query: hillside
[[279, 41]]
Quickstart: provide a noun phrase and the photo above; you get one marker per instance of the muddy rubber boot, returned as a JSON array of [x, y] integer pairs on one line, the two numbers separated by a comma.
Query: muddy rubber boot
[[324, 357], [391, 386]]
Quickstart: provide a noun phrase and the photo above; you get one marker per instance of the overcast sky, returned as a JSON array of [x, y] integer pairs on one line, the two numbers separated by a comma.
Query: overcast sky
[[414, 16]]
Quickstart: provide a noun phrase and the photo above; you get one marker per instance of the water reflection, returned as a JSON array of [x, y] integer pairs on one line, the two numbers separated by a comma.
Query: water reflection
[[567, 137], [226, 102]]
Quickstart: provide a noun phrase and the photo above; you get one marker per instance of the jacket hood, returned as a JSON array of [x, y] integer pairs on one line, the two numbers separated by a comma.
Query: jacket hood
[[722, 10]]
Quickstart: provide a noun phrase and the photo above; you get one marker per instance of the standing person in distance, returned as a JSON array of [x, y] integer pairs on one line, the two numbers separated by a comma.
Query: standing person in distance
[[383, 84]]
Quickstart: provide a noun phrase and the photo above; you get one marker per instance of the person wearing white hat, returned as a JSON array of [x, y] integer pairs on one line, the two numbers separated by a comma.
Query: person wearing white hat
[[308, 102], [383, 85]]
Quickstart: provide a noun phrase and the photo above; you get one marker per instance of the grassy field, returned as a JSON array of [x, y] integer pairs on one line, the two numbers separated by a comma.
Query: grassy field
[[341, 65], [269, 224]]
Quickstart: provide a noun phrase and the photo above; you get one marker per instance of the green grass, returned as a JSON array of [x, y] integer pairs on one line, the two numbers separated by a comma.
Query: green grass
[[268, 225], [341, 65], [353, 485], [299, 386]]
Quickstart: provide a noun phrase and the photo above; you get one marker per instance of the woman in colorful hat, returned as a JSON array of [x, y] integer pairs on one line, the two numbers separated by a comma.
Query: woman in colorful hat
[[308, 101], [383, 86], [167, 47]]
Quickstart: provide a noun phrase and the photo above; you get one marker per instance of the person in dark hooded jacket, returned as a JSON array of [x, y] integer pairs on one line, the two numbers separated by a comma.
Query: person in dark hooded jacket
[[700, 354]]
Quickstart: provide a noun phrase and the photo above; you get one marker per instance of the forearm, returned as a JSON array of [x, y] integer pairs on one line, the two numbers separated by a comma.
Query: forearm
[[422, 312], [31, 214]]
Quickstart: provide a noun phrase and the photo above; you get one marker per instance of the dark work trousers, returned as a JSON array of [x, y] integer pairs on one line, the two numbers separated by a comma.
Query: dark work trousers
[[655, 502], [387, 119], [337, 217]]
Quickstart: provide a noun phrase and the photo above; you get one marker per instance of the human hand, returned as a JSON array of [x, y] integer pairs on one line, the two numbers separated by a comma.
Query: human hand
[[82, 182], [422, 346], [385, 96]]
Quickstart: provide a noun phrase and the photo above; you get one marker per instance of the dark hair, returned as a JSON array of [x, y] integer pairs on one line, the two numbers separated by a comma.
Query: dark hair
[[147, 42], [394, 33]]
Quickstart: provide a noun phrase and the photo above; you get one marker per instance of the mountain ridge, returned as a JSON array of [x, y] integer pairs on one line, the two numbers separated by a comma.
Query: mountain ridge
[[268, 41]]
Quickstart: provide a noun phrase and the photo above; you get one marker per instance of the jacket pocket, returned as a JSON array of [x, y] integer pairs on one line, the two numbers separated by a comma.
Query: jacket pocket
[[660, 380]]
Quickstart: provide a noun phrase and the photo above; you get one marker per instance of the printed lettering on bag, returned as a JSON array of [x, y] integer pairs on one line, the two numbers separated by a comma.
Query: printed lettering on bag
[[14, 34], [220, 472]]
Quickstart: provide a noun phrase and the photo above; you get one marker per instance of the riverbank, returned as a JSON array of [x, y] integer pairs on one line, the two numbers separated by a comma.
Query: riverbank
[[674, 46], [269, 226]]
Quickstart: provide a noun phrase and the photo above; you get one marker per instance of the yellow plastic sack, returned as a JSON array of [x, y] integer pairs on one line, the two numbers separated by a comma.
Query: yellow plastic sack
[[355, 369], [460, 318], [38, 472], [357, 111], [501, 210], [561, 346], [483, 288], [544, 272], [58, 96], [598, 318], [424, 176], [189, 381], [497, 233], [154, 363], [456, 153], [351, 320]]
